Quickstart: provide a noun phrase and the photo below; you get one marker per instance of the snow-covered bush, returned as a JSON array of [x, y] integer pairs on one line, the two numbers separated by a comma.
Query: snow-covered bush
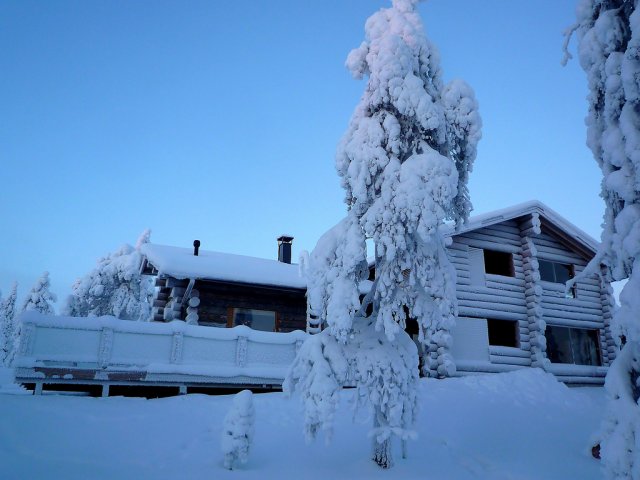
[[404, 163], [8, 327], [115, 287], [237, 430], [40, 298], [609, 52]]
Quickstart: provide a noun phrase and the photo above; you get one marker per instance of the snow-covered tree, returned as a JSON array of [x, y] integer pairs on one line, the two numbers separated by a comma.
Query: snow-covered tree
[[40, 298], [115, 287], [384, 371], [8, 330], [237, 430], [399, 162], [404, 163], [609, 52]]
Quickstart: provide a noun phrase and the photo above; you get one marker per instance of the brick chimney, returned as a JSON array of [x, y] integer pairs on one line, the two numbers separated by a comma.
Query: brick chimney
[[284, 248]]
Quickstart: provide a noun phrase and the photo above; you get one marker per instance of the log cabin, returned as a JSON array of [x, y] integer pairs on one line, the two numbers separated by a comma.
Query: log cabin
[[224, 290], [513, 310]]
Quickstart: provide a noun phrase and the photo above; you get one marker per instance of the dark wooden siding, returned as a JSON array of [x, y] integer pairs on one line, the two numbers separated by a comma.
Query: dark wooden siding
[[217, 298]]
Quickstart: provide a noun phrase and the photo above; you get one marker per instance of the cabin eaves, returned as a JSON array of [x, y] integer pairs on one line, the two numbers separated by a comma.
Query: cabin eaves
[[584, 242]]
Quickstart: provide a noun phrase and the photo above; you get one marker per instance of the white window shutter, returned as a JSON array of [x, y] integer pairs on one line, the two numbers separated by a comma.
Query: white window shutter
[[476, 267], [470, 339]]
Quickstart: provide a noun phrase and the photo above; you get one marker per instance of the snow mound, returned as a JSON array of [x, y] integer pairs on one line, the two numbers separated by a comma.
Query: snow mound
[[7, 386], [522, 425], [523, 386]]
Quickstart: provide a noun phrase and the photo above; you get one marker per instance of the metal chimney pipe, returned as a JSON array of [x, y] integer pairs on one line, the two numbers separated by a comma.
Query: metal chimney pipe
[[196, 247], [284, 248]]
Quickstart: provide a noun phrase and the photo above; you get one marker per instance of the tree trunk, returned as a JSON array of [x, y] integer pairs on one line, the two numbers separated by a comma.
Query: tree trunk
[[632, 368], [381, 452]]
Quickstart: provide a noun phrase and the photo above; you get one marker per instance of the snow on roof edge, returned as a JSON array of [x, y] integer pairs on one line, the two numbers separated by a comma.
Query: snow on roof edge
[[518, 210], [180, 262]]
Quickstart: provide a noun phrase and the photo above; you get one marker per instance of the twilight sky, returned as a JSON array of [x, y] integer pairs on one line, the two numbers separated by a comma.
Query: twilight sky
[[219, 121]]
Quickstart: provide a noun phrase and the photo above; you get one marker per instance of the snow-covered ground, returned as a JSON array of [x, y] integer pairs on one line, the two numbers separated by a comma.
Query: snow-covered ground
[[520, 425]]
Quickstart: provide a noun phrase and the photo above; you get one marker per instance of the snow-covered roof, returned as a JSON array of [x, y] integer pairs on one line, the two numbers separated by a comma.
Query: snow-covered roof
[[181, 263], [522, 209]]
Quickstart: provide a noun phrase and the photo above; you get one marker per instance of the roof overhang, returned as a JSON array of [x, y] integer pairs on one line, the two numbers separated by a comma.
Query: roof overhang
[[582, 242]]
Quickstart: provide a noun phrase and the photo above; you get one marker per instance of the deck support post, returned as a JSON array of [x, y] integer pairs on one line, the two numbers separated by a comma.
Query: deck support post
[[105, 389], [38, 389]]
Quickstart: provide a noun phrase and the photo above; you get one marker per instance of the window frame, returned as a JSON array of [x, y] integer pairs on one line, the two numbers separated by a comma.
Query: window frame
[[516, 332], [490, 251], [573, 293], [231, 316], [573, 346]]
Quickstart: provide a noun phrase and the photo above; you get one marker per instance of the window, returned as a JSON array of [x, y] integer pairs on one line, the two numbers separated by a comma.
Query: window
[[502, 333], [257, 319], [573, 345], [498, 263], [557, 273]]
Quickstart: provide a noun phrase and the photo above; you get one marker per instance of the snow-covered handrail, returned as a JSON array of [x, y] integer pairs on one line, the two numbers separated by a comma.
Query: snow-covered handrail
[[163, 352]]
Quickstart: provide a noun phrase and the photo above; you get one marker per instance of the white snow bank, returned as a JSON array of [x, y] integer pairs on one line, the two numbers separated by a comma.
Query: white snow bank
[[181, 263], [7, 385], [522, 425]]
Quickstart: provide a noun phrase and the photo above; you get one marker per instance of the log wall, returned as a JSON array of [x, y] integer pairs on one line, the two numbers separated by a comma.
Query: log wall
[[528, 300], [218, 299], [586, 309], [488, 296]]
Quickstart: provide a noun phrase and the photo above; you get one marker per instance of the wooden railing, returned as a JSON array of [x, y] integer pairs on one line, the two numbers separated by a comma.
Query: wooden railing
[[108, 351]]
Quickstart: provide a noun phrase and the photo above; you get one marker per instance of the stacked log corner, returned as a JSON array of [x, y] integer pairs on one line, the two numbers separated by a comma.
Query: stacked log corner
[[533, 291]]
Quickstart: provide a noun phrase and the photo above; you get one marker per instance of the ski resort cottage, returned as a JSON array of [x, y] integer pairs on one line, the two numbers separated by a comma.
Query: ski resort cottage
[[514, 312], [511, 268], [231, 290]]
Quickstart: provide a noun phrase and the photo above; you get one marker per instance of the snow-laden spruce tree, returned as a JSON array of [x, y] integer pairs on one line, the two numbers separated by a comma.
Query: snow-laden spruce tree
[[40, 298], [237, 430], [404, 163], [609, 52], [8, 327], [115, 287]]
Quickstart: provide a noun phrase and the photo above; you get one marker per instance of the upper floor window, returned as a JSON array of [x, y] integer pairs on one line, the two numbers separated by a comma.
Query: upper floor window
[[557, 273], [498, 263]]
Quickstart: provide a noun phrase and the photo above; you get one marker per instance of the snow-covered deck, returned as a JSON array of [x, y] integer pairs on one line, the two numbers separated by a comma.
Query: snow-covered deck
[[107, 351]]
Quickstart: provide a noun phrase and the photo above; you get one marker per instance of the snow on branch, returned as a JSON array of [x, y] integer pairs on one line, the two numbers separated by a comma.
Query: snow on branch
[[237, 430]]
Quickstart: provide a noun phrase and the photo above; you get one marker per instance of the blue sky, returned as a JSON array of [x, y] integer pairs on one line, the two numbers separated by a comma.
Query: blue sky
[[219, 121]]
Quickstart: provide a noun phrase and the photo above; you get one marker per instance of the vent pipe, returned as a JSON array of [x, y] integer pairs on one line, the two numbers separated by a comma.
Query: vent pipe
[[196, 247], [284, 248]]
